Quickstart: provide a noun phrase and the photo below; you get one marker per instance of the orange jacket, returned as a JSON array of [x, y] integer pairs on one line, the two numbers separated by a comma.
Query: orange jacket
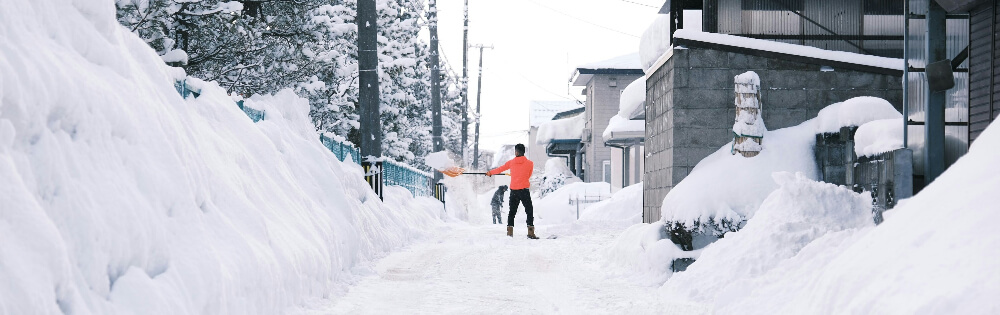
[[520, 170]]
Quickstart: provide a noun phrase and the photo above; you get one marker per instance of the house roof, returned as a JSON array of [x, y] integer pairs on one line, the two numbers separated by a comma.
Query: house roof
[[542, 111], [568, 113], [626, 64]]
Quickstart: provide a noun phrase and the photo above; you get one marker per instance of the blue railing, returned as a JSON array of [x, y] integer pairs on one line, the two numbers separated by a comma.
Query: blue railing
[[393, 173]]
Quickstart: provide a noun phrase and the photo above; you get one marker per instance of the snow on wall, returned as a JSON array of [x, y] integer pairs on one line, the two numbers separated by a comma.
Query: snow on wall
[[655, 41], [879, 136], [561, 129], [772, 46], [855, 112], [119, 196]]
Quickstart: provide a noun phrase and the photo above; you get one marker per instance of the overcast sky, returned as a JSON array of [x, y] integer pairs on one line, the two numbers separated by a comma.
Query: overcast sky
[[537, 45]]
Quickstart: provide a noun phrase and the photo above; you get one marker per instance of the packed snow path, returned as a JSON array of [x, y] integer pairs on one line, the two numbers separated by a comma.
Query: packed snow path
[[477, 269]]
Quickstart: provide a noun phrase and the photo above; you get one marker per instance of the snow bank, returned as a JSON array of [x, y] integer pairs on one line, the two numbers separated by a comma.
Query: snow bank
[[730, 187], [644, 254], [119, 196], [879, 136], [625, 205], [855, 112], [556, 175], [561, 129], [791, 217], [765, 45], [935, 253], [555, 207]]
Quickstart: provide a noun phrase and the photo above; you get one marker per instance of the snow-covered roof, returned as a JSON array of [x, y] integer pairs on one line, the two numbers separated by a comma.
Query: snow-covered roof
[[790, 49], [627, 64], [878, 136], [542, 111], [854, 112], [633, 99], [623, 128], [562, 129], [629, 61]]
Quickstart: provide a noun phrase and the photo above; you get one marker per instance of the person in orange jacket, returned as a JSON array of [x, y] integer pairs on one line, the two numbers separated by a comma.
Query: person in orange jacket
[[520, 171]]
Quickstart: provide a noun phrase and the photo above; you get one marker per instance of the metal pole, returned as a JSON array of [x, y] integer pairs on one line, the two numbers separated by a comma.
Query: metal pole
[[465, 83], [435, 82], [934, 111], [368, 94], [906, 73], [479, 94]]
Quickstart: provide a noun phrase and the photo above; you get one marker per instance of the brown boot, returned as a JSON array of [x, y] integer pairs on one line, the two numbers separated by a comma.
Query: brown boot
[[531, 233], [510, 231]]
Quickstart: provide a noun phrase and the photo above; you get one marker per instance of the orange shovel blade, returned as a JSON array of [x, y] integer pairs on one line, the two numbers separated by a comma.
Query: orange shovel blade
[[453, 171]]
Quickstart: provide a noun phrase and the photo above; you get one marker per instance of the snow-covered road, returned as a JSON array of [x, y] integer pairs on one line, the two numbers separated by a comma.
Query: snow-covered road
[[477, 269]]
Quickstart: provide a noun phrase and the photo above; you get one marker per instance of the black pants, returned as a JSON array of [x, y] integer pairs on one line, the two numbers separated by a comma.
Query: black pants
[[520, 196]]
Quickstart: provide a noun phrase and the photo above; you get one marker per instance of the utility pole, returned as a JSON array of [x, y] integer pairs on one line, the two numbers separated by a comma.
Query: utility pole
[[465, 83], [435, 82], [479, 104], [371, 126], [934, 129]]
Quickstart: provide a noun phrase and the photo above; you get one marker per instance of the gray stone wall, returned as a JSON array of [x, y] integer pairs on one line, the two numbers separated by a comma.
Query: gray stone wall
[[602, 103], [690, 110]]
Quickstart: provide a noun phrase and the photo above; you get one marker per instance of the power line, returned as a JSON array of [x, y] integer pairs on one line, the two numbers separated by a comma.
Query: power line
[[582, 20]]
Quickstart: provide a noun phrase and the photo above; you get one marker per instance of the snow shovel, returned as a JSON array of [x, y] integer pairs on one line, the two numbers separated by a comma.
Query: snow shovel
[[455, 171]]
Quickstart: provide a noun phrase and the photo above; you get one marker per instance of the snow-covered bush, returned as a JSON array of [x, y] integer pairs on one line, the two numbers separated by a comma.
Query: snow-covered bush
[[557, 174]]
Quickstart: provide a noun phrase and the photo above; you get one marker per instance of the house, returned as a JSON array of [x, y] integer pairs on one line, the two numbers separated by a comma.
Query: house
[[603, 82], [540, 112], [740, 35], [626, 134], [562, 137]]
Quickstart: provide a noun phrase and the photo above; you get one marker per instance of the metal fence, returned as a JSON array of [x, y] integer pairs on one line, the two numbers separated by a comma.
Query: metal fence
[[393, 173]]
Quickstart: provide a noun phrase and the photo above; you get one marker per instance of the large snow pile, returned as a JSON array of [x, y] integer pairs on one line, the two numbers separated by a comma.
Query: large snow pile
[[728, 188], [625, 205], [791, 217], [934, 253], [855, 112], [118, 196], [879, 136], [561, 129], [784, 48], [555, 207]]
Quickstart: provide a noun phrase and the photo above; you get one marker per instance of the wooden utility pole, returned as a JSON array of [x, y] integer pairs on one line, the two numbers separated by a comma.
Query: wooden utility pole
[[479, 103], [435, 82], [465, 83], [368, 98]]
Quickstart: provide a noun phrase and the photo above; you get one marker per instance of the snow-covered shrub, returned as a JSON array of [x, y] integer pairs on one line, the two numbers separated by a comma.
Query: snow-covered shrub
[[557, 174]]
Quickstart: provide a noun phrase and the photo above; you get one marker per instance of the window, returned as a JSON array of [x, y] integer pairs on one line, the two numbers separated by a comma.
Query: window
[[607, 170]]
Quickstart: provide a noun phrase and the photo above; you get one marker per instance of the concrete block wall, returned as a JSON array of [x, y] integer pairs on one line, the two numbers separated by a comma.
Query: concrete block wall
[[690, 109]]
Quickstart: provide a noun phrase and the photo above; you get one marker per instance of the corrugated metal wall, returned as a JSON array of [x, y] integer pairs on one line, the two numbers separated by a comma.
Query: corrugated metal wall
[[982, 25], [863, 26]]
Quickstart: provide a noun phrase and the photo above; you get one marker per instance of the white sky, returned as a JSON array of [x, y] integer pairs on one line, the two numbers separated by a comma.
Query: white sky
[[537, 45]]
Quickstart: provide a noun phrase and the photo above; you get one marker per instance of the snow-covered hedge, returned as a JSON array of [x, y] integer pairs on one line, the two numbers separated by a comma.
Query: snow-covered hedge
[[119, 196]]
